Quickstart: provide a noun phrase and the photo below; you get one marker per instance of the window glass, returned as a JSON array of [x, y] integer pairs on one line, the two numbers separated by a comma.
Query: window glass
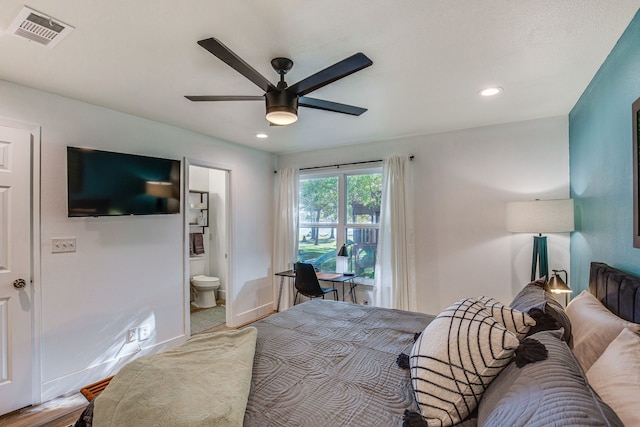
[[336, 208], [317, 246], [318, 200], [364, 194], [363, 247]]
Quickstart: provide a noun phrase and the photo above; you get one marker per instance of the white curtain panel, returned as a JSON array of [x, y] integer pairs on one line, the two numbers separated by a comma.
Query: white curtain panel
[[395, 283], [285, 239]]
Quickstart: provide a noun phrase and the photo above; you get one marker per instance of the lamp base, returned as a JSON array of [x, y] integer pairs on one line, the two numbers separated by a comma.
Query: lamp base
[[540, 257]]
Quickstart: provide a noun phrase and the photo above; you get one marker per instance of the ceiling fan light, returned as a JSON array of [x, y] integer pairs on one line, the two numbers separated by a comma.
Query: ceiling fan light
[[282, 117]]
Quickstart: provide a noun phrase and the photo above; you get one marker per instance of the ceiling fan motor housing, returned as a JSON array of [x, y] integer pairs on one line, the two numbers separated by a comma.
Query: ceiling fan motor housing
[[281, 101]]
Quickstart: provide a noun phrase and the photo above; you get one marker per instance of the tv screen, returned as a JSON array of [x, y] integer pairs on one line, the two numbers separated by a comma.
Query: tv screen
[[103, 183]]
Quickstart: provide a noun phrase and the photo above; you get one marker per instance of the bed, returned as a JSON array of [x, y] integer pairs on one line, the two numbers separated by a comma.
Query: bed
[[332, 363], [327, 363]]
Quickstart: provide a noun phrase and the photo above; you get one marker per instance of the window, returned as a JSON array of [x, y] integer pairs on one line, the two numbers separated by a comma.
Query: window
[[336, 208]]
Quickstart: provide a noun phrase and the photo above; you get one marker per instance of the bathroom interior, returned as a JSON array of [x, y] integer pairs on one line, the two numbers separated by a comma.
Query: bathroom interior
[[208, 263]]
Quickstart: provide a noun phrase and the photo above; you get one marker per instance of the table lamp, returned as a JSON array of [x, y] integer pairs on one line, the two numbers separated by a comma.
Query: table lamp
[[540, 216], [342, 260], [559, 286]]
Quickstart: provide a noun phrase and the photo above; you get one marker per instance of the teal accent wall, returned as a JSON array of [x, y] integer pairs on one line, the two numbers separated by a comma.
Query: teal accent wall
[[600, 161]]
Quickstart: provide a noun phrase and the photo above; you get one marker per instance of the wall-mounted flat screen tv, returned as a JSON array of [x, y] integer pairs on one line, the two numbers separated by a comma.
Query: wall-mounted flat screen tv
[[104, 183]]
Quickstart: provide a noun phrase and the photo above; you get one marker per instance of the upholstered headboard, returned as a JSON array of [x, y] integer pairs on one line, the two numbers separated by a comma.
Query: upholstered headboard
[[617, 290]]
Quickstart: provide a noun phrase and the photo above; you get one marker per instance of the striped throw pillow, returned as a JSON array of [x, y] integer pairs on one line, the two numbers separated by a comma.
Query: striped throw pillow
[[454, 360], [515, 321]]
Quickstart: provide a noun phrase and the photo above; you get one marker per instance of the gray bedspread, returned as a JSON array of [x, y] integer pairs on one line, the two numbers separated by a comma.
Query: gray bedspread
[[327, 363]]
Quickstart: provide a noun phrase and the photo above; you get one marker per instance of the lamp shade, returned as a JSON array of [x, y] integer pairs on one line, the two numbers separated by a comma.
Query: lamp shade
[[540, 216], [557, 285], [343, 251]]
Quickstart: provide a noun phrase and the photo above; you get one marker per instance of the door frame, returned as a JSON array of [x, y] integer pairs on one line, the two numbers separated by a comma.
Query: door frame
[[35, 248], [229, 312]]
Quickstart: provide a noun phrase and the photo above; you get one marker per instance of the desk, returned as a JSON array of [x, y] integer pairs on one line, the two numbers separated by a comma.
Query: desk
[[326, 277]]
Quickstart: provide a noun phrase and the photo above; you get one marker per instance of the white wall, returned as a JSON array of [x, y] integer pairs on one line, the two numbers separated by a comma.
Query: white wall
[[462, 181], [129, 271]]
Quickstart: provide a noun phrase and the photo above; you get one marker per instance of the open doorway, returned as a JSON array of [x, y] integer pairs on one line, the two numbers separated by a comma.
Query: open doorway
[[208, 266]]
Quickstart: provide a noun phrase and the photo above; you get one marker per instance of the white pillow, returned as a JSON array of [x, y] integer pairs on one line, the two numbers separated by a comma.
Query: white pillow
[[615, 376], [455, 359], [593, 328], [515, 321]]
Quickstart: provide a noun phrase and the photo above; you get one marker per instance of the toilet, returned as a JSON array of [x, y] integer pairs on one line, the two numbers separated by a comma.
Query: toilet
[[205, 287]]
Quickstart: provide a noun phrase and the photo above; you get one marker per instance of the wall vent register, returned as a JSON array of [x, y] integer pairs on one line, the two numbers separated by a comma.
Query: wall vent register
[[38, 27]]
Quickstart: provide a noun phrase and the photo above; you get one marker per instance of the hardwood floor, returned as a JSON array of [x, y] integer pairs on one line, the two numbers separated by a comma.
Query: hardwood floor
[[62, 411]]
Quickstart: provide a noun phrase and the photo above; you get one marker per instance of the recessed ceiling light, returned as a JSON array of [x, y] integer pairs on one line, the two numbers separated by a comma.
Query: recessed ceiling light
[[490, 91], [261, 135]]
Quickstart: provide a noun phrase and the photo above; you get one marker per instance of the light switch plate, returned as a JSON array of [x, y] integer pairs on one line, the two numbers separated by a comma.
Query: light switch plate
[[63, 244]]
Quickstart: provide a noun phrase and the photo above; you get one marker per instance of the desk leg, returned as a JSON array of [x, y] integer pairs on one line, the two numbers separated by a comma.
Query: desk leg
[[280, 293], [352, 291]]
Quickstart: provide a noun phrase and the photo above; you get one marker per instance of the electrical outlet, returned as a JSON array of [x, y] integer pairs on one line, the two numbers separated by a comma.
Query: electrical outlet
[[143, 332], [132, 334], [64, 244]]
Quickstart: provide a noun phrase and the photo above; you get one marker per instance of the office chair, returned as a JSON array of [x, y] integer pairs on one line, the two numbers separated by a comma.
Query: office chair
[[307, 284]]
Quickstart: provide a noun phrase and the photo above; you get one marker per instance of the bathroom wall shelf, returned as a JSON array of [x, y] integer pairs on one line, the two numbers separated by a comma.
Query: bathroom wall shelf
[[199, 209]]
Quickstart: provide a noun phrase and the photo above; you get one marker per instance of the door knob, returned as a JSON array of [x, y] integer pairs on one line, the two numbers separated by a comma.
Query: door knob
[[19, 283]]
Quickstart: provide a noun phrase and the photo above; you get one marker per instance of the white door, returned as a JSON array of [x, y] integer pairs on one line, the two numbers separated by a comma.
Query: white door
[[16, 290]]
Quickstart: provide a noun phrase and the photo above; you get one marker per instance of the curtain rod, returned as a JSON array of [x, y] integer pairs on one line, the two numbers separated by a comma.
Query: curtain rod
[[345, 164]]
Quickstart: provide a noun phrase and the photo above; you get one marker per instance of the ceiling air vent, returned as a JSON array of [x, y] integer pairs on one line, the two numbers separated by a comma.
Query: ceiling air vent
[[38, 27]]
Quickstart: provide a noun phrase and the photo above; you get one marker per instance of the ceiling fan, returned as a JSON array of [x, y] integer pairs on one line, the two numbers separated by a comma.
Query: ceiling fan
[[282, 101]]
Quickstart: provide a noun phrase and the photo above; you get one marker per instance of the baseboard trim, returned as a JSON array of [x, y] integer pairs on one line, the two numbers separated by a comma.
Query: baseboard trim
[[251, 315], [74, 382]]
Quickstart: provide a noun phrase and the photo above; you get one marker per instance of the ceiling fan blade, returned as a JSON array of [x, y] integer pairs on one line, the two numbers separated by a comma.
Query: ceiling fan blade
[[227, 56], [330, 74], [223, 98], [336, 107]]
